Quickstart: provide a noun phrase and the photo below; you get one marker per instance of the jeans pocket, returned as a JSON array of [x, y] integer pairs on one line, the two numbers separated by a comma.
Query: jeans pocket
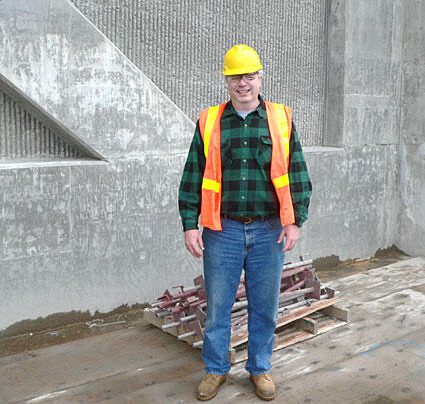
[[273, 223]]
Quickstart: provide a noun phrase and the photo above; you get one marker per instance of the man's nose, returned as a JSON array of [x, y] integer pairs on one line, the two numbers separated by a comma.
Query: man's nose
[[243, 81]]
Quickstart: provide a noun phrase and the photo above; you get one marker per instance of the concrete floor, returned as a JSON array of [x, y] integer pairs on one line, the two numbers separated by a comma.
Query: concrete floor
[[378, 358]]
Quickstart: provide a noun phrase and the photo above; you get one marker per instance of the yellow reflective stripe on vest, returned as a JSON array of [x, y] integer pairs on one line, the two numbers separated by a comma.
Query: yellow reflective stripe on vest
[[282, 181], [282, 124], [209, 124], [210, 185]]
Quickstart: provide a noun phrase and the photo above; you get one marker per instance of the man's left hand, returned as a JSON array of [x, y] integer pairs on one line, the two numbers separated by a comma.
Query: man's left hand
[[291, 233]]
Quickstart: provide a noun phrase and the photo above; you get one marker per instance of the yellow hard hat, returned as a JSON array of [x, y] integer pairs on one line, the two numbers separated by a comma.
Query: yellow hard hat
[[241, 59]]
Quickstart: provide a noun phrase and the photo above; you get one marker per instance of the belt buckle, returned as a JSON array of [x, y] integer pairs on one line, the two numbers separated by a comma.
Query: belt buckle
[[248, 220]]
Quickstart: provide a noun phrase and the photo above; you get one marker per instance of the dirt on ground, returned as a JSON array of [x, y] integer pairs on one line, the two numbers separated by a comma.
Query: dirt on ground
[[330, 268], [58, 328], [29, 335]]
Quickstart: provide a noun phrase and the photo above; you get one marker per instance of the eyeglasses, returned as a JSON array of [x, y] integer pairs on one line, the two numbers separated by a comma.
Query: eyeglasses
[[249, 77]]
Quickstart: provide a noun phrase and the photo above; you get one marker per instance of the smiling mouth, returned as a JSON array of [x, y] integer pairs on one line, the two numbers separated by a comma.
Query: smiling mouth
[[243, 91]]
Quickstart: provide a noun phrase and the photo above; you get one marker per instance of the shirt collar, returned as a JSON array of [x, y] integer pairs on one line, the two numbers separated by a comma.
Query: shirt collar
[[230, 109]]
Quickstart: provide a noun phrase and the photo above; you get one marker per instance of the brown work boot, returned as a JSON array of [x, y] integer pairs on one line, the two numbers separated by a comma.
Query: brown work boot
[[264, 386], [209, 385]]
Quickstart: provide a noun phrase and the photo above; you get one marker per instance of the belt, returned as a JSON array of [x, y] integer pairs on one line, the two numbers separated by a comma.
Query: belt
[[246, 219]]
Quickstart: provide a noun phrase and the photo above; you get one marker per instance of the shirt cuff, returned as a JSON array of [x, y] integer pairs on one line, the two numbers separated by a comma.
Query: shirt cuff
[[189, 225], [301, 215]]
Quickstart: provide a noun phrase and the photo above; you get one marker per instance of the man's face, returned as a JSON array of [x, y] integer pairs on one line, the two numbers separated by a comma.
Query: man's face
[[244, 89]]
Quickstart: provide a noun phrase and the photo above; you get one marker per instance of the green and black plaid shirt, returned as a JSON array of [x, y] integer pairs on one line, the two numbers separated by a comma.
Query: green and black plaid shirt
[[247, 189]]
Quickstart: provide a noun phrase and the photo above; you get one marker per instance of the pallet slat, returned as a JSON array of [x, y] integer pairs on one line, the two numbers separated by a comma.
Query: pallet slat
[[241, 337], [298, 332], [337, 312]]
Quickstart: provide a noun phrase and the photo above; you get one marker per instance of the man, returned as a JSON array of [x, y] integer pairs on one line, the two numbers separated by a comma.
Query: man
[[246, 176]]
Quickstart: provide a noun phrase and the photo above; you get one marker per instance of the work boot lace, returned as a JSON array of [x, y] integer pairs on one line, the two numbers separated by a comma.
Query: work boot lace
[[211, 377]]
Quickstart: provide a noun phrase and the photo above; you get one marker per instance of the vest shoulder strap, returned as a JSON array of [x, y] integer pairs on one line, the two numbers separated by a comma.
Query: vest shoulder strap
[[279, 112], [207, 120]]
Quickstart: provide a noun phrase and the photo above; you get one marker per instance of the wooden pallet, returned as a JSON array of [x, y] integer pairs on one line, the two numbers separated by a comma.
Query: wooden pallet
[[298, 325], [301, 329]]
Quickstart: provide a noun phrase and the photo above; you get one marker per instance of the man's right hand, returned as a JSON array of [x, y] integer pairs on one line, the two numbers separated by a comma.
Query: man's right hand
[[193, 242]]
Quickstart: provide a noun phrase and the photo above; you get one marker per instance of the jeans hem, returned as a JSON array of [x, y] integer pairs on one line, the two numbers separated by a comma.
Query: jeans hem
[[215, 372], [259, 372]]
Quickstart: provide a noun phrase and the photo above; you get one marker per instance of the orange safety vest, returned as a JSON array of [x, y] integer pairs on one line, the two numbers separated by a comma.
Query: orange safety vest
[[279, 120]]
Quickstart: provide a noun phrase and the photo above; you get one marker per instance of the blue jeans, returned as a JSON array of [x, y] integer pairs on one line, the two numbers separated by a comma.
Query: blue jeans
[[252, 247]]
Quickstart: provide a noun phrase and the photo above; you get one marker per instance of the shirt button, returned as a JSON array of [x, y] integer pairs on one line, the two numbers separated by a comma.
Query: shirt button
[[246, 125], [245, 142], [244, 178], [242, 197], [244, 160]]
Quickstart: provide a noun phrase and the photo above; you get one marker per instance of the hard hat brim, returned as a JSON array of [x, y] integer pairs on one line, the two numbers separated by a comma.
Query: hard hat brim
[[244, 70]]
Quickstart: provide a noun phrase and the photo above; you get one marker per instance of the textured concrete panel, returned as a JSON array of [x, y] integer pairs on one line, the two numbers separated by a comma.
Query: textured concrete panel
[[24, 137], [180, 46], [58, 137], [62, 63]]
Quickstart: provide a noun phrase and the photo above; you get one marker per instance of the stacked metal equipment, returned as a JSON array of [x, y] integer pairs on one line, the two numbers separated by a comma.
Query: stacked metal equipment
[[183, 313]]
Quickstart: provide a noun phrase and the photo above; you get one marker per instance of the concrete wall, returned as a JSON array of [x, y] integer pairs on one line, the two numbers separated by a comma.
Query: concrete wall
[[80, 234], [354, 207], [411, 234], [98, 232]]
